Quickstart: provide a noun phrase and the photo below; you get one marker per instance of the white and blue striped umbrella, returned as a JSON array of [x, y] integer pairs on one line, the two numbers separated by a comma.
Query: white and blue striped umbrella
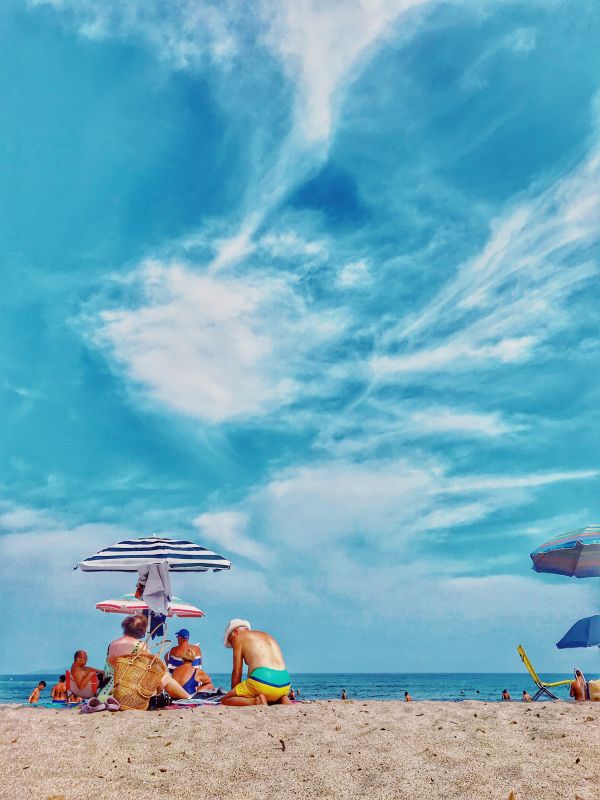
[[180, 555]]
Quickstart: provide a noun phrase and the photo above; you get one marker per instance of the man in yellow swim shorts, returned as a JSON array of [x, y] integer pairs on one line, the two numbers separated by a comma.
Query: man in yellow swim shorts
[[268, 681]]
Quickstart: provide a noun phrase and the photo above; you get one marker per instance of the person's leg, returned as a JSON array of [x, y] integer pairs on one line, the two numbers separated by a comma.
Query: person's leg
[[285, 700], [85, 679], [232, 699]]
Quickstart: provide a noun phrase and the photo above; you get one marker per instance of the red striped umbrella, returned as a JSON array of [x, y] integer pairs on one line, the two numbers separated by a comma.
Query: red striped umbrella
[[129, 604]]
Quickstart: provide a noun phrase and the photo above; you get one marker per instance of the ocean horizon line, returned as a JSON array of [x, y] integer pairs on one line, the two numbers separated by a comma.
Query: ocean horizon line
[[47, 671]]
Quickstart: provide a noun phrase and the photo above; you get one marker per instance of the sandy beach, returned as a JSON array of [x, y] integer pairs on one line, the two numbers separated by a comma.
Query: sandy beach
[[542, 751]]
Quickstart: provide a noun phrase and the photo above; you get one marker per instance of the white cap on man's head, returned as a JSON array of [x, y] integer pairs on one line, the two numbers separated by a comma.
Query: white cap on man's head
[[235, 623]]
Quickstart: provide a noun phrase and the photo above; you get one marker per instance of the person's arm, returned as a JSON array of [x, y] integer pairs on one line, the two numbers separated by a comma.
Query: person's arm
[[202, 678], [238, 664], [53, 693]]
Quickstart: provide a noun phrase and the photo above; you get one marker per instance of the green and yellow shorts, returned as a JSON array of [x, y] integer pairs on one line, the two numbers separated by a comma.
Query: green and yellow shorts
[[273, 683]]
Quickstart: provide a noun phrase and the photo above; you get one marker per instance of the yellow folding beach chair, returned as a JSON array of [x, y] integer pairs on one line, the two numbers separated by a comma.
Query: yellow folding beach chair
[[543, 687]]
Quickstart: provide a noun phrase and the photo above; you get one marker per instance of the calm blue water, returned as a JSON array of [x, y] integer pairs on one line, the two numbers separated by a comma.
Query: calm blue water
[[358, 686]]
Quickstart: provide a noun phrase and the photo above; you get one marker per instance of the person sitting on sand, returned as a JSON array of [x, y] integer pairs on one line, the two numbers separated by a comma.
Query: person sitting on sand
[[134, 630], [188, 676], [407, 697], [292, 694], [268, 680], [34, 697], [578, 688], [526, 696], [82, 674], [174, 658], [505, 695], [58, 693]]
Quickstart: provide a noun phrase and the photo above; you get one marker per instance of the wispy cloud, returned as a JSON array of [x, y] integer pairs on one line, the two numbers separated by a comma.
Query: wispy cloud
[[354, 273], [320, 43], [185, 34], [464, 423], [505, 303], [385, 501], [227, 529]]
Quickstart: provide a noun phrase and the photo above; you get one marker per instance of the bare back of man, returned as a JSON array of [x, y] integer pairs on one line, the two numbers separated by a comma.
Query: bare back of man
[[259, 649], [268, 681]]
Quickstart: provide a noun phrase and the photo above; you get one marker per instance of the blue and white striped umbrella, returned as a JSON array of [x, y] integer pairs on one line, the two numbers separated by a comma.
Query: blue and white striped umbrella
[[180, 555]]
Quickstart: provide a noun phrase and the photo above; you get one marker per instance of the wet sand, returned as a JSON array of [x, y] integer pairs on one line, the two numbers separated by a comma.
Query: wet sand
[[428, 750]]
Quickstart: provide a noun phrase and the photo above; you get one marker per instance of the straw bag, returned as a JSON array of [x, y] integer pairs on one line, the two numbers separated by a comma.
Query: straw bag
[[138, 676]]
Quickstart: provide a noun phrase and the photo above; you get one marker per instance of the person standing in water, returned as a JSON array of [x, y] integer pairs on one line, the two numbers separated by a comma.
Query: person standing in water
[[344, 694], [268, 680], [34, 697], [58, 693], [506, 695]]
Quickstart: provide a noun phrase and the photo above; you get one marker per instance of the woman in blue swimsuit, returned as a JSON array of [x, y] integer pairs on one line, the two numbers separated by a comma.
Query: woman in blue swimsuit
[[189, 676]]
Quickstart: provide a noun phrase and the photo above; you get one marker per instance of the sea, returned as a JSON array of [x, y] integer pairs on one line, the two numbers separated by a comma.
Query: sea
[[450, 686]]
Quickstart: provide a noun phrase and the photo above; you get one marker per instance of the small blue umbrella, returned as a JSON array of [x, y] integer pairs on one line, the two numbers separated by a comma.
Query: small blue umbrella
[[585, 633]]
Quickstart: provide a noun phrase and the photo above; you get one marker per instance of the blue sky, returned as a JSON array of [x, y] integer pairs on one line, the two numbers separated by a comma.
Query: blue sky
[[315, 284]]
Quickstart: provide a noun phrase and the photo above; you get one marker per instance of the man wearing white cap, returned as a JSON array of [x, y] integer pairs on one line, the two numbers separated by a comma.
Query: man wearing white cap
[[268, 680]]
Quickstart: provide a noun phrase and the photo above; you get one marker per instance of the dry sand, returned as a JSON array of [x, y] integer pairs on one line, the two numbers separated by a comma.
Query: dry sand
[[314, 750]]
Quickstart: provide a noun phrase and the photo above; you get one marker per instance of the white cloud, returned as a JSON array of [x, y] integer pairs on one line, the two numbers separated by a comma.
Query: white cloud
[[353, 274], [494, 483], [461, 353], [520, 42], [288, 244], [185, 34], [551, 526], [452, 421], [384, 502], [321, 43], [215, 348], [18, 518], [523, 40], [506, 302], [227, 529]]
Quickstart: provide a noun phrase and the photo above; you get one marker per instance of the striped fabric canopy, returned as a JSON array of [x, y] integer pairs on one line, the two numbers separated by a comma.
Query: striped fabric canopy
[[130, 554], [129, 604], [576, 553]]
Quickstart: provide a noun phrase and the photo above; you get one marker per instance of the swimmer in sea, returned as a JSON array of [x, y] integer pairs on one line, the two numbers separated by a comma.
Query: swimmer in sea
[[58, 693], [34, 697]]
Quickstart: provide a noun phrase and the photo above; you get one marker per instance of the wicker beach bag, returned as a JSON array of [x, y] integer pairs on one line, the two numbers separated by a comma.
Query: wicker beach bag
[[138, 677]]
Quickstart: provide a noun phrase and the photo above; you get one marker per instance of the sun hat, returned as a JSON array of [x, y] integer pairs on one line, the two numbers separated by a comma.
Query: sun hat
[[235, 623], [184, 633]]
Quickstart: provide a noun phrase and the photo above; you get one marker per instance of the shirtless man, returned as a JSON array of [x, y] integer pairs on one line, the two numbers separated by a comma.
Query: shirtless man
[[82, 674], [174, 659], [58, 693], [268, 680], [34, 697]]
